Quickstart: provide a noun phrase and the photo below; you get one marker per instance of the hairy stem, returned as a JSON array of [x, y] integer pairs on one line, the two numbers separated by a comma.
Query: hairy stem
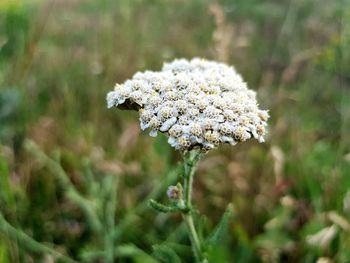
[[190, 164]]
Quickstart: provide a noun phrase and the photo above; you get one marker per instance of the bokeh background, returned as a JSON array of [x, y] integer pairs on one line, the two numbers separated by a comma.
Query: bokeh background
[[59, 58]]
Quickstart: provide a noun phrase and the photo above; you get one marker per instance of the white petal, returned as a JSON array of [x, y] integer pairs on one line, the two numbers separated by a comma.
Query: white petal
[[186, 129], [153, 133], [111, 98], [121, 100], [227, 139], [209, 145], [167, 124], [172, 141], [144, 126], [233, 142], [256, 136], [110, 103], [199, 140], [220, 118]]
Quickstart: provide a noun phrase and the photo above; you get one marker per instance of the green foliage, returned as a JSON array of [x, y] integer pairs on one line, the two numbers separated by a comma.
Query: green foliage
[[14, 29], [217, 237], [138, 256], [218, 254], [10, 119], [165, 254], [4, 251], [164, 208], [5, 194], [216, 250]]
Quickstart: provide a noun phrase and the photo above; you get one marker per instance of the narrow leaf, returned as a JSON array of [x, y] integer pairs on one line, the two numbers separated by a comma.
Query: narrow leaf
[[135, 253], [221, 229], [164, 208], [165, 254]]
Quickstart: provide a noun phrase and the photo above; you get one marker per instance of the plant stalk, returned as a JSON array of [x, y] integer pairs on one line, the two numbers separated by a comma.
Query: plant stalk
[[191, 160]]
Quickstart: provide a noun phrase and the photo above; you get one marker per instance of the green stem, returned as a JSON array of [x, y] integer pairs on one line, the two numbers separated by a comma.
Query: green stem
[[110, 208], [196, 245], [30, 243], [190, 164]]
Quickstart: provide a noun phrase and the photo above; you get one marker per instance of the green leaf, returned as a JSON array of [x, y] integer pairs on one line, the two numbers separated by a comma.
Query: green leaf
[[5, 188], [165, 254], [221, 229], [218, 254], [125, 251], [137, 254], [4, 253], [164, 208]]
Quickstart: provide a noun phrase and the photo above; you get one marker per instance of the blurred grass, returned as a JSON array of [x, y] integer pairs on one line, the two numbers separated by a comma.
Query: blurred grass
[[59, 58]]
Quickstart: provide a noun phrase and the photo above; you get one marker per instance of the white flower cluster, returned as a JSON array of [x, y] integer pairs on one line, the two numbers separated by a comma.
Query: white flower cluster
[[196, 103]]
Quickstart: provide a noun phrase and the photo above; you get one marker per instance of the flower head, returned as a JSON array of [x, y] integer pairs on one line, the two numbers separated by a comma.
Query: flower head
[[197, 103]]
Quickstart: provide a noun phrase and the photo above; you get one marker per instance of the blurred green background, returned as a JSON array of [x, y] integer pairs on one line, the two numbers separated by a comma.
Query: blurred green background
[[59, 58]]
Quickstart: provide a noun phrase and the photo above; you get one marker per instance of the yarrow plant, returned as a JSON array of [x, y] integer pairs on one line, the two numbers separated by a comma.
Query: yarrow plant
[[198, 104]]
